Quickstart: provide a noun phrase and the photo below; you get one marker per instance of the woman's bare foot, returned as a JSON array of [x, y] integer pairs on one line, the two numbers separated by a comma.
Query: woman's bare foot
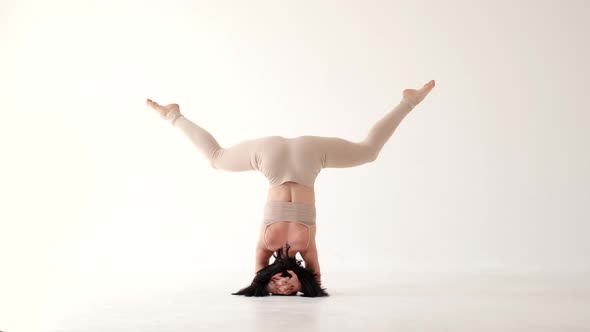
[[167, 112], [413, 97]]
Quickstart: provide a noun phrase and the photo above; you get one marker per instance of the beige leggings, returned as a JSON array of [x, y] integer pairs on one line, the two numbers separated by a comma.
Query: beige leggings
[[298, 159]]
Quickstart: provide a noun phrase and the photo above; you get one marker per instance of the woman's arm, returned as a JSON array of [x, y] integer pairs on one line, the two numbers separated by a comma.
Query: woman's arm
[[310, 255], [262, 257], [262, 254]]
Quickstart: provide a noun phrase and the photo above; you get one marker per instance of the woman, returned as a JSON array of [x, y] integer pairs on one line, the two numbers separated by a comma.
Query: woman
[[291, 166]]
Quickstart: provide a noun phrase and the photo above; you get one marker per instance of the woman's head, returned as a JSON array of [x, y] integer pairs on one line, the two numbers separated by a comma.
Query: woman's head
[[285, 276]]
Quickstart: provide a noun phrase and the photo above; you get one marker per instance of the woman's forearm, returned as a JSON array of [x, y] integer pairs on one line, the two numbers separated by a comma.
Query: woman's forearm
[[310, 256], [262, 258]]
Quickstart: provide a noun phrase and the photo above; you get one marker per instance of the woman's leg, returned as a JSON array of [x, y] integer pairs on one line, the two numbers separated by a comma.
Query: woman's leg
[[237, 158], [338, 153]]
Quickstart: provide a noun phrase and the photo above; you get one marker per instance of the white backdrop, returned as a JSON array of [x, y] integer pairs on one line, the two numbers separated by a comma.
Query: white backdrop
[[490, 174]]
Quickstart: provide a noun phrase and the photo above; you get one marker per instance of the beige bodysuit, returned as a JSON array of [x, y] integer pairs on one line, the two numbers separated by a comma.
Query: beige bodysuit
[[298, 159]]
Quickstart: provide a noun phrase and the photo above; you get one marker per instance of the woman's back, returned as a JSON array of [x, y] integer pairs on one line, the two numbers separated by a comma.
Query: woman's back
[[292, 192], [298, 235]]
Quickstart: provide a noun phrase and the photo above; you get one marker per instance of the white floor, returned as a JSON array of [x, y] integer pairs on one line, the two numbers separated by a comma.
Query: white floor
[[468, 303]]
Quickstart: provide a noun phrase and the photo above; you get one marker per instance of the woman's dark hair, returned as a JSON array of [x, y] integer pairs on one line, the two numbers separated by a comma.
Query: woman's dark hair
[[309, 284]]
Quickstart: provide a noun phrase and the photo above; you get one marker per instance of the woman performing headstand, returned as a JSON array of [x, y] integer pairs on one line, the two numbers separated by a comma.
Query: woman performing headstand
[[291, 166]]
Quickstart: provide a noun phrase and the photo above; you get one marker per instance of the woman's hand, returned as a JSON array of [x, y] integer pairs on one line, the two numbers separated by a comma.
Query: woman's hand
[[284, 285]]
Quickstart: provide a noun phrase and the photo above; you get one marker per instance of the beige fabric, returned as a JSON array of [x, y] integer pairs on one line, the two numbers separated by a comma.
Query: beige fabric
[[298, 212], [298, 159], [275, 211]]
